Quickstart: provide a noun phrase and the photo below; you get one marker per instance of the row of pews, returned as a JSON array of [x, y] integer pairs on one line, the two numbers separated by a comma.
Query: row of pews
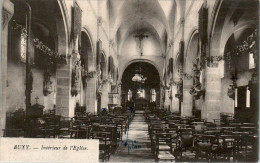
[[108, 127], [177, 138]]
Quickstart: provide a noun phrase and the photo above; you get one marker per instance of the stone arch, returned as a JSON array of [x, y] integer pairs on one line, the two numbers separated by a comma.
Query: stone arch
[[151, 77], [192, 47], [90, 36], [140, 60], [51, 29], [241, 27], [235, 39], [87, 50], [191, 57], [63, 26], [216, 25], [221, 26]]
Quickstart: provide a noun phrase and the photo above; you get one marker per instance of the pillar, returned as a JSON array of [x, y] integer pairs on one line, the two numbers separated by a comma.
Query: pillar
[[213, 95], [175, 100], [187, 98], [91, 103], [64, 106], [104, 96], [120, 95], [158, 97], [7, 13], [162, 100], [167, 99]]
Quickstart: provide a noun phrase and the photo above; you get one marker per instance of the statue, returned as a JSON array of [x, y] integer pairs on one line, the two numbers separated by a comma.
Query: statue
[[75, 81], [47, 83]]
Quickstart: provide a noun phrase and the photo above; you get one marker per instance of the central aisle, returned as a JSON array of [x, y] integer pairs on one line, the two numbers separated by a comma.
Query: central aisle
[[138, 140]]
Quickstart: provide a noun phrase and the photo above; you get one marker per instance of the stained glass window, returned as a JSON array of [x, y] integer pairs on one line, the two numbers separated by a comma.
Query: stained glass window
[[23, 46], [251, 61]]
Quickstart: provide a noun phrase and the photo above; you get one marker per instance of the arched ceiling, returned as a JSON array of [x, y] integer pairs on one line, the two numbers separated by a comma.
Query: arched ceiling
[[150, 16], [127, 30]]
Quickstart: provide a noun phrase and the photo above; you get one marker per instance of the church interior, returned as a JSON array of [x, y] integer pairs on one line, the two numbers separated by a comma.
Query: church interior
[[153, 80]]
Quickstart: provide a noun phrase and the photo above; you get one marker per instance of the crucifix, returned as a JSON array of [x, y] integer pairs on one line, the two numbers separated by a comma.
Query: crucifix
[[140, 37]]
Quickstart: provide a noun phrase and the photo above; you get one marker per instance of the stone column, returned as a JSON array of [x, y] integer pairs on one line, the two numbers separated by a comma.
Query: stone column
[[91, 95], [120, 95], [213, 95], [7, 13], [63, 98], [161, 97], [175, 101], [158, 97], [167, 99], [104, 97], [187, 98]]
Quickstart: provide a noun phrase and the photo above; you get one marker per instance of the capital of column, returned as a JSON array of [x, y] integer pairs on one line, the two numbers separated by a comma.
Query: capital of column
[[87, 76]]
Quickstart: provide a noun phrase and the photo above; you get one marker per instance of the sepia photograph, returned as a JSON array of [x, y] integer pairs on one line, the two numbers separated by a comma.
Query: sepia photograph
[[129, 81]]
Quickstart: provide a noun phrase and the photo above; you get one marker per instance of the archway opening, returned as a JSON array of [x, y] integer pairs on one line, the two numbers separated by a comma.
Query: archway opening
[[240, 69], [32, 61], [140, 85], [191, 67], [86, 57]]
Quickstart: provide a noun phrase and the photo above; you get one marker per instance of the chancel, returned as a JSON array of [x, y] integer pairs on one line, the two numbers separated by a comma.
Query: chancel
[[152, 80]]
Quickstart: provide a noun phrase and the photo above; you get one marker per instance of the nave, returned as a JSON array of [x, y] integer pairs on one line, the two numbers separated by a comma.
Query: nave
[[175, 138], [180, 77], [138, 147], [151, 134]]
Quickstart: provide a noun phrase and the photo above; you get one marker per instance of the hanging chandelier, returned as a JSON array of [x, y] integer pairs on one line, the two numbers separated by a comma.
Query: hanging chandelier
[[139, 78]]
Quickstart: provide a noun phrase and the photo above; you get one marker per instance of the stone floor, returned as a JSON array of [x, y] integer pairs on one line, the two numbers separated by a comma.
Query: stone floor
[[135, 146]]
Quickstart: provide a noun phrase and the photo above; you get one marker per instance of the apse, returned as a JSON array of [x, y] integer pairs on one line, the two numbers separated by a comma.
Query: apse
[[140, 81]]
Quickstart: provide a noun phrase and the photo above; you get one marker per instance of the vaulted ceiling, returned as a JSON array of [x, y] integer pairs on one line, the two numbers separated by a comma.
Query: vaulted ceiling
[[154, 17]]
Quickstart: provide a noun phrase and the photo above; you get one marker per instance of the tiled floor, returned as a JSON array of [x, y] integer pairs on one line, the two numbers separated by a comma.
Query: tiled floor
[[136, 146]]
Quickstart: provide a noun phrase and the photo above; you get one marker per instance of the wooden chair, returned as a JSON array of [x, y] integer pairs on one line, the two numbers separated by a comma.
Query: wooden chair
[[240, 145], [204, 146], [164, 149], [104, 145], [65, 127], [226, 152], [186, 142]]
